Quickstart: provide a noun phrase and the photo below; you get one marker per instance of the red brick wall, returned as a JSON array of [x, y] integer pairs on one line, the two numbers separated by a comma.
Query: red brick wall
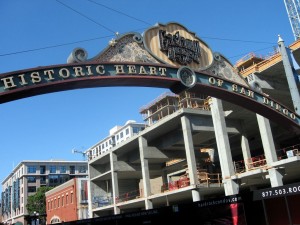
[[60, 205]]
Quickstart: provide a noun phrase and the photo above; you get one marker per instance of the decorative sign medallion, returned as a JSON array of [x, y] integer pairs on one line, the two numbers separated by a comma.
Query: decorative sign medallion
[[186, 76]]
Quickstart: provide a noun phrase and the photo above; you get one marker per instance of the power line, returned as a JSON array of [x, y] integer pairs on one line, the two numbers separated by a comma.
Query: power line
[[53, 46], [64, 44], [248, 52], [124, 14], [108, 36], [90, 19], [236, 40]]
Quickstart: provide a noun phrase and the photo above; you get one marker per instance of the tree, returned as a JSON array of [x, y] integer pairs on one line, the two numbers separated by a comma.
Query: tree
[[37, 202]]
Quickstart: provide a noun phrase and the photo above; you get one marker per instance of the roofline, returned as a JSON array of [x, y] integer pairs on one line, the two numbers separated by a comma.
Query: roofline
[[37, 161]]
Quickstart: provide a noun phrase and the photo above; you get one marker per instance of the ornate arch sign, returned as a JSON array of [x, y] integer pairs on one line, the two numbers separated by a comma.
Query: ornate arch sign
[[166, 56]]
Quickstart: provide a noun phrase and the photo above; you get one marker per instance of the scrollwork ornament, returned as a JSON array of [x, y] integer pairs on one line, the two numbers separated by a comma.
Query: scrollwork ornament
[[217, 56], [78, 55], [137, 38]]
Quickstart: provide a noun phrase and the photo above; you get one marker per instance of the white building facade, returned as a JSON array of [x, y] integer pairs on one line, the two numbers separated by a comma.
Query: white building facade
[[117, 135]]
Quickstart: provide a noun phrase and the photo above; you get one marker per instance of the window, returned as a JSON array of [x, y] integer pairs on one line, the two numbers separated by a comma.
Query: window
[[121, 134], [113, 140], [43, 180], [135, 130], [72, 169], [82, 169], [63, 178], [63, 169], [48, 206], [58, 200], [31, 169], [42, 169], [31, 189], [127, 131], [67, 199], [55, 220], [31, 179], [53, 180], [52, 169], [84, 194], [62, 201], [71, 198]]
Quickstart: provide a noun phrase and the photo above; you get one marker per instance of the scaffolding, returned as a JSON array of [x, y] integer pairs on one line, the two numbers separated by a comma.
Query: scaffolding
[[168, 103]]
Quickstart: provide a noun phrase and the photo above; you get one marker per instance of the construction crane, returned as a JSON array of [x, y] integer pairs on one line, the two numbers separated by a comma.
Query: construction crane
[[293, 10], [80, 152]]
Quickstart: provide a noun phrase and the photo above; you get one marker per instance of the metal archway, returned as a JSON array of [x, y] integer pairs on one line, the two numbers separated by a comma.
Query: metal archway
[[41, 80]]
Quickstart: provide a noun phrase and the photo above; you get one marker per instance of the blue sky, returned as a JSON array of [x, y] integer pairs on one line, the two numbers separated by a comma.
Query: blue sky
[[39, 33]]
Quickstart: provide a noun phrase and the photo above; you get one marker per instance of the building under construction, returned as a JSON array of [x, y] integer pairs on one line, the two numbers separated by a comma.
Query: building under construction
[[197, 148], [176, 158]]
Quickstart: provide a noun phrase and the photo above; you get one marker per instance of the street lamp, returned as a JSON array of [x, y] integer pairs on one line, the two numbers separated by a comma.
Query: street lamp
[[35, 218]]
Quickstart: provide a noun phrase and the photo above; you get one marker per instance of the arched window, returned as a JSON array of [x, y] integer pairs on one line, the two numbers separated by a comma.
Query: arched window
[[55, 220]]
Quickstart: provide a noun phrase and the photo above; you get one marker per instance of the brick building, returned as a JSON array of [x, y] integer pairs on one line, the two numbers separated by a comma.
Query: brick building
[[67, 202]]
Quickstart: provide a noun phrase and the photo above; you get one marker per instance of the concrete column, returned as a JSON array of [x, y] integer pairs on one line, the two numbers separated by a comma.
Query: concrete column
[[267, 139], [224, 151], [276, 176], [164, 177], [150, 120], [246, 151], [114, 181], [231, 187], [145, 172], [269, 149], [245, 147], [190, 156], [90, 202]]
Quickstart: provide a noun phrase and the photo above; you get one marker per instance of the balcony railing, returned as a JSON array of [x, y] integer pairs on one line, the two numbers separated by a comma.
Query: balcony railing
[[284, 153], [205, 180], [259, 161], [129, 196], [252, 163]]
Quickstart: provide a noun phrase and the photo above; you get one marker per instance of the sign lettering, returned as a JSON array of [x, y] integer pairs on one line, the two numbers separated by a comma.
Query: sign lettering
[[179, 49], [290, 189], [46, 76], [60, 73]]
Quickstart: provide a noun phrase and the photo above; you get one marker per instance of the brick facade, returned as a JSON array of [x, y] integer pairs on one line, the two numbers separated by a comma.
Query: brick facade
[[63, 203]]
